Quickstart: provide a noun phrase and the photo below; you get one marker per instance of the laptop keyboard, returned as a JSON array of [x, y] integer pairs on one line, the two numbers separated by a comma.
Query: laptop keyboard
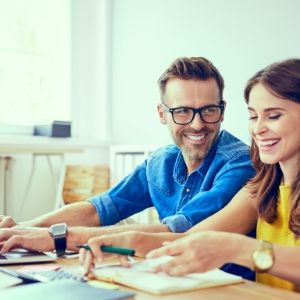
[[2, 257], [45, 276]]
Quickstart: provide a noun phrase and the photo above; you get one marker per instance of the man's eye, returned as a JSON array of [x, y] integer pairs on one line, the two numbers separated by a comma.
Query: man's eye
[[209, 110], [182, 111]]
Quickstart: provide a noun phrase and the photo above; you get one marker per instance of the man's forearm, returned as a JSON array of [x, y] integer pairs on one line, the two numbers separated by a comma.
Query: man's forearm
[[153, 233], [77, 214], [152, 228]]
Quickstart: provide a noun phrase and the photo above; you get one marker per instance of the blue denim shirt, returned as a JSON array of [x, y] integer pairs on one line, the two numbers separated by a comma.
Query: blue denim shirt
[[180, 200]]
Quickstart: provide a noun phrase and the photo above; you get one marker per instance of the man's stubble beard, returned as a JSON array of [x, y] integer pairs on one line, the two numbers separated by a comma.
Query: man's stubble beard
[[195, 152]]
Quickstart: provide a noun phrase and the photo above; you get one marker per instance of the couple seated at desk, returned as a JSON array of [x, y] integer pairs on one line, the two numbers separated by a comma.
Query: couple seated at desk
[[271, 196]]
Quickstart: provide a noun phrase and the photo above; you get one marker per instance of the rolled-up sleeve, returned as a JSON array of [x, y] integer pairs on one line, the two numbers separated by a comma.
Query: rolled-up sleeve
[[129, 196], [106, 209], [177, 223]]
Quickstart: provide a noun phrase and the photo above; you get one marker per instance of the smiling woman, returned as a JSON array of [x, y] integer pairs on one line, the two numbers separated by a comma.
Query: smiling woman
[[272, 124], [271, 198], [34, 61]]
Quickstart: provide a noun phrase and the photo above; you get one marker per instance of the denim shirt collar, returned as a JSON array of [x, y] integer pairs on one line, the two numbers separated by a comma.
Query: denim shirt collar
[[180, 168]]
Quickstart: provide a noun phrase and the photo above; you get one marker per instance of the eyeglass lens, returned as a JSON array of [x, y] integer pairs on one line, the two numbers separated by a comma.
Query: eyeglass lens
[[184, 115]]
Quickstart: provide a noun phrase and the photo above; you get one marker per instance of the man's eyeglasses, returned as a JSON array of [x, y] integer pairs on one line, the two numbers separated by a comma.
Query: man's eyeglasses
[[185, 115]]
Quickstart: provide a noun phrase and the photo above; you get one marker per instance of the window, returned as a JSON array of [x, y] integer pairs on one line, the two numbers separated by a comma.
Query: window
[[34, 61]]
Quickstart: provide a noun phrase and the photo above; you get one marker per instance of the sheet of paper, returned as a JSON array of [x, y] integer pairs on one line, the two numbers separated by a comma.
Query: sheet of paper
[[140, 276], [8, 280]]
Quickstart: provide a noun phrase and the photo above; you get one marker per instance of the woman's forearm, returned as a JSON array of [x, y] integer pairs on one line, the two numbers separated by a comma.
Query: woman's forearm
[[286, 258]]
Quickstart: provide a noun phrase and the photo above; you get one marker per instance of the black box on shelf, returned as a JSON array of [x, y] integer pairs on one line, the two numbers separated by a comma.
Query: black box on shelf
[[56, 129]]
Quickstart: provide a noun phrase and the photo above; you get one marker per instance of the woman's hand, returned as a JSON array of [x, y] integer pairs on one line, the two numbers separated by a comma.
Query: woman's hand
[[198, 252]]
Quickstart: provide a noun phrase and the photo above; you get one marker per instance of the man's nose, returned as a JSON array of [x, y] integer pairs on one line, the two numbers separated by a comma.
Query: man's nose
[[197, 122]]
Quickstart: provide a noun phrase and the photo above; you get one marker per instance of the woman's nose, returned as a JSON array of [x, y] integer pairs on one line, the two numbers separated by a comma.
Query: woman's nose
[[259, 127]]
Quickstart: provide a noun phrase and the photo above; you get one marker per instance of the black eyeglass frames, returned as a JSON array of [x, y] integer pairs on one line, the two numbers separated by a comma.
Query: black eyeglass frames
[[184, 115]]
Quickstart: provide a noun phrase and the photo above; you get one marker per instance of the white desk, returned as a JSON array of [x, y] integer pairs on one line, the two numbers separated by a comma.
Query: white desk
[[36, 146], [246, 291]]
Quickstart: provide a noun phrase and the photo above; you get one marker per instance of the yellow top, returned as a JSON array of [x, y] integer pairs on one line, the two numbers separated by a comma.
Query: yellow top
[[278, 233]]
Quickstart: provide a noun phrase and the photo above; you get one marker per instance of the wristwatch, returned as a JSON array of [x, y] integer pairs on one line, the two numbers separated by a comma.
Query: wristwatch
[[59, 235], [263, 257]]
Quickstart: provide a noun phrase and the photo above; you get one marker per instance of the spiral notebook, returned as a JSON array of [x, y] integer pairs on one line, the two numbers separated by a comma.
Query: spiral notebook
[[140, 277]]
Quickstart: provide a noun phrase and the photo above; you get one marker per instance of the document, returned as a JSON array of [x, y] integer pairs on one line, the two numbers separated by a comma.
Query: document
[[7, 280], [140, 276]]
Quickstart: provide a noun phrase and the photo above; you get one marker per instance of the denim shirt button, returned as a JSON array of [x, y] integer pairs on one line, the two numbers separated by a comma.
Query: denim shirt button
[[187, 190]]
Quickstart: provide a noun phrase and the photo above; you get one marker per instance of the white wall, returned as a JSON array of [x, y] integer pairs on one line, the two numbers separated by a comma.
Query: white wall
[[240, 37], [121, 47], [90, 117], [90, 57]]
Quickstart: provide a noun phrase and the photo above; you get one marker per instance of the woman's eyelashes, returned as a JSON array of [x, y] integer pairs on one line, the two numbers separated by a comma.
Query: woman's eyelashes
[[252, 117], [270, 117], [275, 116]]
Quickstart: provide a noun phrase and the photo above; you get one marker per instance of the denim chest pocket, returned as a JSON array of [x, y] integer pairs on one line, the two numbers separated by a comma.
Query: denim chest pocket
[[165, 189]]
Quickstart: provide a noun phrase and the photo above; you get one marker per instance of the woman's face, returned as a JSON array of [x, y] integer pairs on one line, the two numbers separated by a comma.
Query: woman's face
[[275, 126]]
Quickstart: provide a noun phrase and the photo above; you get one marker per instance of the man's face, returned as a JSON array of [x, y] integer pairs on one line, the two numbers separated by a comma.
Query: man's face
[[196, 138]]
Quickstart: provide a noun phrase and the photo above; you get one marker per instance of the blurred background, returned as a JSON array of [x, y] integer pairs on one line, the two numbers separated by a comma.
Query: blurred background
[[96, 64]]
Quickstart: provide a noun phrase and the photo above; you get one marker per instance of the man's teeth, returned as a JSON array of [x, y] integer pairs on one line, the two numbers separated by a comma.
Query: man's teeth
[[196, 137], [267, 143]]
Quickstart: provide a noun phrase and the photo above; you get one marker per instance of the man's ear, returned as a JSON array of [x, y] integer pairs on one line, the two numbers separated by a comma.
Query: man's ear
[[224, 103], [161, 114]]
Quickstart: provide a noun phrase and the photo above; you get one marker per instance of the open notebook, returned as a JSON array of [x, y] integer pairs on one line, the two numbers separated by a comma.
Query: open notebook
[[140, 277]]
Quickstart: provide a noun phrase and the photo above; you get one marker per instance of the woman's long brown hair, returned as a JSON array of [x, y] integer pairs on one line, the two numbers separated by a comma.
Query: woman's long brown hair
[[283, 80]]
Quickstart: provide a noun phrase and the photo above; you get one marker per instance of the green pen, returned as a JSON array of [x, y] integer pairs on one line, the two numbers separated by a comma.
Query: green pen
[[111, 249]]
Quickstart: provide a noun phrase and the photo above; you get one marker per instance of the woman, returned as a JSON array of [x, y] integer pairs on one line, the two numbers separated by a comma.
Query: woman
[[273, 99], [271, 198]]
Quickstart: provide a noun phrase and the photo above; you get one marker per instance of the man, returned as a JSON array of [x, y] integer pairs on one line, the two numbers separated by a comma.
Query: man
[[185, 182]]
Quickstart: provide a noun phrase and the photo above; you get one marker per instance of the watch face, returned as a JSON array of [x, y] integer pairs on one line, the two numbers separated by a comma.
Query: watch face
[[263, 260], [59, 229]]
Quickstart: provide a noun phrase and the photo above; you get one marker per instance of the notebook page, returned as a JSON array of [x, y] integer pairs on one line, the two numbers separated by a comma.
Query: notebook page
[[139, 276]]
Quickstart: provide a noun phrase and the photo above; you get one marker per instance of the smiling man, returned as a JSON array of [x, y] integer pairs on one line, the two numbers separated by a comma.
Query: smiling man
[[186, 182], [196, 177], [198, 110]]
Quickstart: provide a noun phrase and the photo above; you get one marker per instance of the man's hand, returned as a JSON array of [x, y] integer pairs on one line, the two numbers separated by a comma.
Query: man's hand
[[36, 239], [7, 221]]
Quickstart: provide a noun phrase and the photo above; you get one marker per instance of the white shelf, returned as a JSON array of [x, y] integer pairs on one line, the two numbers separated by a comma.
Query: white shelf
[[24, 143]]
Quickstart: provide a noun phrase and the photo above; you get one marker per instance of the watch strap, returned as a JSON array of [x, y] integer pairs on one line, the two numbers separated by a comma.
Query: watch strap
[[60, 243], [59, 235]]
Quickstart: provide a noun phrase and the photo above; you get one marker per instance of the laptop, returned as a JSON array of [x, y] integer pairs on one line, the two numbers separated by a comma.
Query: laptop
[[22, 256], [64, 290]]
